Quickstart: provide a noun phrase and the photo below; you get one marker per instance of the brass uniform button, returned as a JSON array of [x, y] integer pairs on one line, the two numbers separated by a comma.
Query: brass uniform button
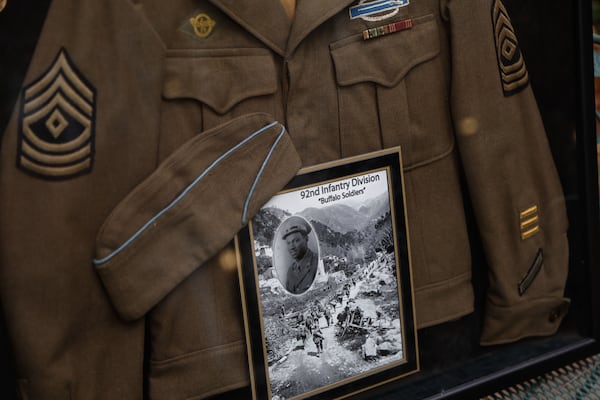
[[559, 312], [2, 4], [554, 315]]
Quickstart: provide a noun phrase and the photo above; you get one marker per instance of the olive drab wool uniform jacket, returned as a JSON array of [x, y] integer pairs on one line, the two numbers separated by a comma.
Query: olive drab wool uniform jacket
[[148, 132]]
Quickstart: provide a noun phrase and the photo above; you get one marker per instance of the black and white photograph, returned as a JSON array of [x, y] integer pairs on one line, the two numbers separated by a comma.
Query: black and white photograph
[[295, 254], [326, 261]]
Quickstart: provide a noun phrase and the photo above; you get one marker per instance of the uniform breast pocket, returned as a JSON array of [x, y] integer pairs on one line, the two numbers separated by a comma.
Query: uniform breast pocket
[[204, 88], [393, 90]]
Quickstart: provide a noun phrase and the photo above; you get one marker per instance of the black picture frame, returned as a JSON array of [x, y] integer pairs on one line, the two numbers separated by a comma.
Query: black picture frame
[[368, 275]]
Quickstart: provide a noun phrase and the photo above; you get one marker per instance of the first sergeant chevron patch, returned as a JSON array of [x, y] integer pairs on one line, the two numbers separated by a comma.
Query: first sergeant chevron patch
[[56, 136], [513, 73]]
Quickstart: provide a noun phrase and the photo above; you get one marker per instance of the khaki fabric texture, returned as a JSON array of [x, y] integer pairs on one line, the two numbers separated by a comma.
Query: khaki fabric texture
[[170, 102]]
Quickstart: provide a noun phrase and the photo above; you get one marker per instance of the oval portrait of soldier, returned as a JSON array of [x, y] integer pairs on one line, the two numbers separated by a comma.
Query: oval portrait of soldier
[[296, 254]]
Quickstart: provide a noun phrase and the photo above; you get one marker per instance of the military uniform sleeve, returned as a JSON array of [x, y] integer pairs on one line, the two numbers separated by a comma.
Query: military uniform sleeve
[[513, 184], [89, 103], [190, 208]]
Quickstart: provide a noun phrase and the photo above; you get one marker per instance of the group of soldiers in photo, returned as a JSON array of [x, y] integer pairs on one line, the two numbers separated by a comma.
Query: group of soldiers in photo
[[308, 326], [309, 322]]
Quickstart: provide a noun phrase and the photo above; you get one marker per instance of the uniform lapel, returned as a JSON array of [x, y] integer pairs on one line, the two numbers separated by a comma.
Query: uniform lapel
[[311, 14], [265, 19], [268, 21]]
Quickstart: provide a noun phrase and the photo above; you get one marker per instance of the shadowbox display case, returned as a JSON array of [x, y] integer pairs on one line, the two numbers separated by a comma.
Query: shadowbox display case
[[556, 41]]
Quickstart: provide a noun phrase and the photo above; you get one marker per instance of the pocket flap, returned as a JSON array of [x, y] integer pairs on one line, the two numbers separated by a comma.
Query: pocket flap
[[385, 60], [218, 79]]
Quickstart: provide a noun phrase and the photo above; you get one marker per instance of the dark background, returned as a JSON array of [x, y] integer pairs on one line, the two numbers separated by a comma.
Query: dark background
[[547, 35], [20, 24]]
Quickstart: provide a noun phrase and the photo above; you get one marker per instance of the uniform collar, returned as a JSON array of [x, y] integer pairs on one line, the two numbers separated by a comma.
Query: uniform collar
[[267, 20]]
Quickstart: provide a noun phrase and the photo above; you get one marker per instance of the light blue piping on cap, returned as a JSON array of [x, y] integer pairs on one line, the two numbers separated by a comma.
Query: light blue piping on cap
[[183, 194], [260, 172]]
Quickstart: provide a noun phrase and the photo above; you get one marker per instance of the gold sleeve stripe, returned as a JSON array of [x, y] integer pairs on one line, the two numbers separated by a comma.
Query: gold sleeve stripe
[[529, 212], [527, 223], [530, 233]]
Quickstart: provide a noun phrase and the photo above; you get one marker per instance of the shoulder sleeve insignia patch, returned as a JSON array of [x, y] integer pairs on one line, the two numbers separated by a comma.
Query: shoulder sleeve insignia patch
[[513, 73], [56, 136]]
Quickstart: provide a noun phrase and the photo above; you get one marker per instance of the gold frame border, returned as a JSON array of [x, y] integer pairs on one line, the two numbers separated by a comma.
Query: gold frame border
[[393, 202]]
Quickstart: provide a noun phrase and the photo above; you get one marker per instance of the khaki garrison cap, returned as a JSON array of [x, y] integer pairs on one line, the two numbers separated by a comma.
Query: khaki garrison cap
[[190, 208], [299, 226]]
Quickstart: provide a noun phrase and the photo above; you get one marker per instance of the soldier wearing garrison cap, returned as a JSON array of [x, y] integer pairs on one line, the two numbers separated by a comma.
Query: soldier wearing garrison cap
[[301, 273]]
